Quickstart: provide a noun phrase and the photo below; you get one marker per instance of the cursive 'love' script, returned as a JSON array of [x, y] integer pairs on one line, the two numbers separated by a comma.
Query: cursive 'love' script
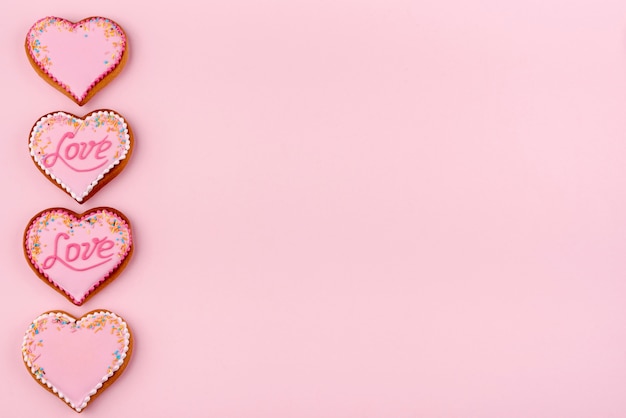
[[98, 251], [68, 152]]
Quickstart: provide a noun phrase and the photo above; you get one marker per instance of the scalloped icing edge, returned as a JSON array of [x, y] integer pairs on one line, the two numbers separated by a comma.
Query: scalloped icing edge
[[117, 370], [127, 151]]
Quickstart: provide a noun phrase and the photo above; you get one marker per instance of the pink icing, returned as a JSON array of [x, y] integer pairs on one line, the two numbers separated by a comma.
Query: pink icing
[[76, 56], [76, 255], [67, 253], [77, 153], [74, 358], [82, 151]]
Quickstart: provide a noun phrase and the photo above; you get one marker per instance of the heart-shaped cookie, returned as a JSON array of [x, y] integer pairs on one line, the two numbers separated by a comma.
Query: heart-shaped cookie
[[81, 155], [78, 254], [77, 359], [77, 58]]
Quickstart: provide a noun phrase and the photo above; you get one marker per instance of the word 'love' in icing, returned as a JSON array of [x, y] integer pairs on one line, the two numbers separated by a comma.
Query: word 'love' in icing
[[78, 253], [77, 359], [67, 152], [85, 250], [81, 155]]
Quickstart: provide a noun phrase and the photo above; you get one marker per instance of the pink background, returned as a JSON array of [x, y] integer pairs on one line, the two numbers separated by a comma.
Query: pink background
[[372, 208]]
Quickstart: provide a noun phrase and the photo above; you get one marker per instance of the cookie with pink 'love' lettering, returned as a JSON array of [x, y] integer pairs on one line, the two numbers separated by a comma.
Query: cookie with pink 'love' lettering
[[77, 359], [78, 59], [80, 155], [78, 254]]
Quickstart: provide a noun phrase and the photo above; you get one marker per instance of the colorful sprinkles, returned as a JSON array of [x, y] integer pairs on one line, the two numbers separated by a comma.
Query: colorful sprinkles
[[40, 52], [41, 145], [102, 217], [84, 232], [95, 322]]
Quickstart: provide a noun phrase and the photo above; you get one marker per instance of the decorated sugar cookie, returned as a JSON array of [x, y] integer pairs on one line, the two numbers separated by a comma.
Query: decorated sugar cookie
[[78, 254], [81, 155], [77, 359], [78, 58]]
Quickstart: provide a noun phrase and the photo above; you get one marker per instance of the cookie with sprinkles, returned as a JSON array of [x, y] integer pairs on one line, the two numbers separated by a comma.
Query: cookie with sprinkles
[[78, 59], [78, 254], [80, 155], [77, 359]]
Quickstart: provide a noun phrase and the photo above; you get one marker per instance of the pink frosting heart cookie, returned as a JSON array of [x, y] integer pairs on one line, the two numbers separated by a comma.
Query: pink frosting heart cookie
[[77, 359], [77, 58], [78, 254], [81, 155]]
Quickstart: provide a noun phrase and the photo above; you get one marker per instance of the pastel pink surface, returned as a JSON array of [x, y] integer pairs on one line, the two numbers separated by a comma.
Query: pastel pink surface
[[77, 254], [76, 357], [76, 55], [373, 209]]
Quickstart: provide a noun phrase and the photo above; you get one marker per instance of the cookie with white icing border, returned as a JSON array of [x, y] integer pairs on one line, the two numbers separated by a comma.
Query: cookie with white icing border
[[77, 359], [80, 155], [78, 59], [78, 254]]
